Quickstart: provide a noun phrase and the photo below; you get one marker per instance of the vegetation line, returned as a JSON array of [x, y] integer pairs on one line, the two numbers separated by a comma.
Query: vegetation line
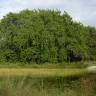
[[45, 36], [41, 72]]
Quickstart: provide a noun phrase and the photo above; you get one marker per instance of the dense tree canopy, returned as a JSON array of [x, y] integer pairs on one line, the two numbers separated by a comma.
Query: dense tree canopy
[[44, 36]]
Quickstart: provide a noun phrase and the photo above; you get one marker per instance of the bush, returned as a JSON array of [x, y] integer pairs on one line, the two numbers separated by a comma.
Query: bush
[[28, 55], [9, 55]]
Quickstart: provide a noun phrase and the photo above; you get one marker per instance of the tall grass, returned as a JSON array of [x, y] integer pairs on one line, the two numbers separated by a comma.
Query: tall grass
[[28, 86], [46, 82]]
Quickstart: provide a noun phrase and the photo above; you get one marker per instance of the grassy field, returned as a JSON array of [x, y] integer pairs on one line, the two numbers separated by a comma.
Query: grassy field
[[43, 72], [42, 81]]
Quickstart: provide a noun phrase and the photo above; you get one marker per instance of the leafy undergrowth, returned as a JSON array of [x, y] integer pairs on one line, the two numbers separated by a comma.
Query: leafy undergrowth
[[45, 65]]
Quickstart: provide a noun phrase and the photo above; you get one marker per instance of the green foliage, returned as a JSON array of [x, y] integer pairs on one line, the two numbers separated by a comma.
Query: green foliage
[[9, 55], [42, 36], [92, 42], [62, 55], [28, 55]]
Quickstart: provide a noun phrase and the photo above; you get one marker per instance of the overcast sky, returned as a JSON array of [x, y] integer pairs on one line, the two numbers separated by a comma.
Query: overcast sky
[[81, 10]]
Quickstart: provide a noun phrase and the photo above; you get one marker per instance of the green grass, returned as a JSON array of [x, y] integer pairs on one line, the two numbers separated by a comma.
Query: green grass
[[45, 65], [44, 80], [27, 86], [57, 86], [43, 72]]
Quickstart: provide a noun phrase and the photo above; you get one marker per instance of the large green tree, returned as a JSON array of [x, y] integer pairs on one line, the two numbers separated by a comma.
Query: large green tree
[[42, 36]]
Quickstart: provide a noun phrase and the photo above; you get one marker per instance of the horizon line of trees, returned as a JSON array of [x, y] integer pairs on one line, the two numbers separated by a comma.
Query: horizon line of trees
[[42, 36]]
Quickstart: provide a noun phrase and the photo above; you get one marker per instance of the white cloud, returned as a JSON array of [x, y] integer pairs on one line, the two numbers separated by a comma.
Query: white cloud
[[81, 10]]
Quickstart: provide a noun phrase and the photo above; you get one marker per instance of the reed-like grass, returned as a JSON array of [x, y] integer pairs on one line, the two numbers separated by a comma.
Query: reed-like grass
[[28, 86], [44, 82], [57, 86]]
